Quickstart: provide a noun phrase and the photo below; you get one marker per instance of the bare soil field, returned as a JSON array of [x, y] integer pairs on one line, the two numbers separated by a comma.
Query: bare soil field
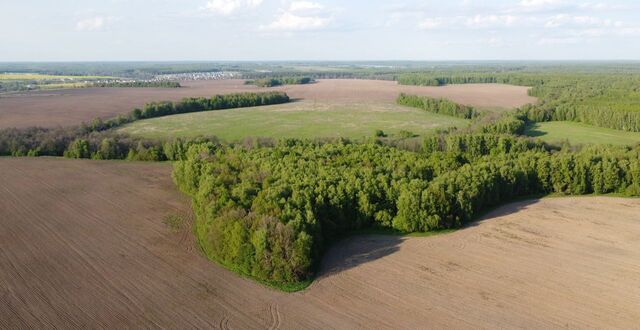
[[358, 91], [73, 106], [84, 245]]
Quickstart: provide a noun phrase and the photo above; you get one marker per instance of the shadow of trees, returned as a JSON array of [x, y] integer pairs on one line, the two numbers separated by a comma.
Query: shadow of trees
[[534, 131], [357, 250]]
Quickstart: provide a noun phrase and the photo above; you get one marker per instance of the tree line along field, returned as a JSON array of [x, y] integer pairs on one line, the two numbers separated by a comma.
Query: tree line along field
[[149, 272]]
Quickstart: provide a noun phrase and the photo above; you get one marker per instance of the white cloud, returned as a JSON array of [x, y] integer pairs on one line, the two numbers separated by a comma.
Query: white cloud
[[539, 3], [431, 23], [493, 41], [288, 21], [564, 20], [532, 7], [300, 16], [472, 22], [94, 23], [560, 41], [490, 21], [228, 7], [304, 6]]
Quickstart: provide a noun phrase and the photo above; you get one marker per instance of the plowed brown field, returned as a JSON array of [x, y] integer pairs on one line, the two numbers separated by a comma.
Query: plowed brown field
[[83, 245], [73, 106]]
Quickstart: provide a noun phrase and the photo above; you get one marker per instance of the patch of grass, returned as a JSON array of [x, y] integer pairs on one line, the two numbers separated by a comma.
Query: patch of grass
[[173, 221], [304, 119], [578, 133]]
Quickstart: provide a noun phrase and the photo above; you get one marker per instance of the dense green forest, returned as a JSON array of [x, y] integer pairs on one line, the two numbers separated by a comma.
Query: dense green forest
[[273, 82], [268, 212]]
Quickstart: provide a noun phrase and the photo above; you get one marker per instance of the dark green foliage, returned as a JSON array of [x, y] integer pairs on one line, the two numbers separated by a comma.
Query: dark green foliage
[[138, 84], [420, 79], [40, 141], [79, 148], [218, 102], [267, 212], [506, 124], [279, 81], [440, 106], [379, 133]]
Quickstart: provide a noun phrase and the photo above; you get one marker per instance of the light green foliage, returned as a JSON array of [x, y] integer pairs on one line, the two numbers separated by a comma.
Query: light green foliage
[[79, 148], [108, 149]]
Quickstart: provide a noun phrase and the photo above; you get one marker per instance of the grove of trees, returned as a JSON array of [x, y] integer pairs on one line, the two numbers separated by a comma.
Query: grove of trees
[[440, 106], [279, 81], [268, 212]]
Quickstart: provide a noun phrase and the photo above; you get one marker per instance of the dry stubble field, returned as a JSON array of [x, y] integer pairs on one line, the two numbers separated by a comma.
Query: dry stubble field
[[84, 245], [73, 106]]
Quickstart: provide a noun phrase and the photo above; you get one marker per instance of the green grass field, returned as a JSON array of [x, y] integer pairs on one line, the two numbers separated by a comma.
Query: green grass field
[[303, 119], [577, 133]]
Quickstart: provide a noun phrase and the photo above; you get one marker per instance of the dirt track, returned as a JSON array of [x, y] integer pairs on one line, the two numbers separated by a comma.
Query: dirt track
[[73, 106], [83, 245]]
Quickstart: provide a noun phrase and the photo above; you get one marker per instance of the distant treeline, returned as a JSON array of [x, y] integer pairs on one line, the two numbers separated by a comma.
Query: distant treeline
[[85, 141], [138, 84], [134, 70], [330, 74], [268, 212], [272, 82], [441, 79], [609, 100], [82, 142], [16, 86], [439, 106]]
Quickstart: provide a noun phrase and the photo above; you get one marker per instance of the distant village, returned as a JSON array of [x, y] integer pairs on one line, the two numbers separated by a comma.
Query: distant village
[[220, 75]]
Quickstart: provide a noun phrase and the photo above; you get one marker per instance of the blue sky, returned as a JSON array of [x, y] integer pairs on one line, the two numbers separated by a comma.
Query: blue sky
[[91, 30]]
